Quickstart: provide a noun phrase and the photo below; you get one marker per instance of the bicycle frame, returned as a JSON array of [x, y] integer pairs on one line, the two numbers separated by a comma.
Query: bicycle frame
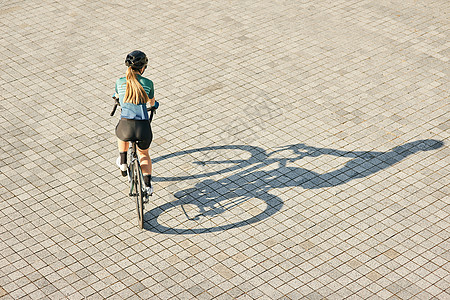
[[134, 160]]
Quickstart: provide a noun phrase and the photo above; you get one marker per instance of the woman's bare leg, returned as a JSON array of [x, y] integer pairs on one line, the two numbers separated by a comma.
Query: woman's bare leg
[[146, 162], [123, 146]]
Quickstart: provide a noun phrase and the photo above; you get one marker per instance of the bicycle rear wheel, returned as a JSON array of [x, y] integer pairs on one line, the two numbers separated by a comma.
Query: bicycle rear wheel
[[139, 193]]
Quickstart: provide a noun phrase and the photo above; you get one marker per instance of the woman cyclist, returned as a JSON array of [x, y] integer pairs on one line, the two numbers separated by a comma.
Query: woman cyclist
[[134, 92]]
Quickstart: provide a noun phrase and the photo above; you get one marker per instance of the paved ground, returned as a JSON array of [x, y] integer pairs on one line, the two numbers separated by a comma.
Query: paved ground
[[301, 150]]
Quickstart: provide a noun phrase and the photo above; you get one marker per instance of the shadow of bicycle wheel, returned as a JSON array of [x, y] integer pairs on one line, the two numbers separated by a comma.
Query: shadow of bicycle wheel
[[205, 209]]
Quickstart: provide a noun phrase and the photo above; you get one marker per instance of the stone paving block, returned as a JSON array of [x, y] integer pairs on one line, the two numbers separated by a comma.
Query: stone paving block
[[300, 151]]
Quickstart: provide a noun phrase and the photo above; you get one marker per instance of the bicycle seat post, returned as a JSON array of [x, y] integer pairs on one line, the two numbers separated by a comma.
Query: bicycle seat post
[[132, 147]]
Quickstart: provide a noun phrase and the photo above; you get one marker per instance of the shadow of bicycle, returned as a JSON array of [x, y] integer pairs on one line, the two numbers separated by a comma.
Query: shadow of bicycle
[[244, 197]]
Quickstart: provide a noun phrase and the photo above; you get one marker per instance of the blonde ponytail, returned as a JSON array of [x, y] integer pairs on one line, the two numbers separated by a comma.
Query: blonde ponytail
[[134, 92]]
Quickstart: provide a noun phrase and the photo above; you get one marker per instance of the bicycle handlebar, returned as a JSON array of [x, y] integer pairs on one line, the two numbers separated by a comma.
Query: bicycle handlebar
[[115, 106]]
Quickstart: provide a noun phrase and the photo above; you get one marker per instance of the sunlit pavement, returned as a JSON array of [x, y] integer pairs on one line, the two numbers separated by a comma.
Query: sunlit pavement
[[300, 150]]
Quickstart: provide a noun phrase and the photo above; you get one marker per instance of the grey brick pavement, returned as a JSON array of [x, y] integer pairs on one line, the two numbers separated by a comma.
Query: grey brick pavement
[[300, 150]]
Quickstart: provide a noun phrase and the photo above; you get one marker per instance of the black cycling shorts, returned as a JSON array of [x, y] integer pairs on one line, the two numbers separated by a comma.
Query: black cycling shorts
[[135, 130]]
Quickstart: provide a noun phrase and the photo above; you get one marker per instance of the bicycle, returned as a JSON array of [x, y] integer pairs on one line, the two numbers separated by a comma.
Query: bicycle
[[134, 171]]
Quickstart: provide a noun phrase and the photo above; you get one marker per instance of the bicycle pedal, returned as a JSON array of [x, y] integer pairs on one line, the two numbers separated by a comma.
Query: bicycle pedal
[[148, 191]]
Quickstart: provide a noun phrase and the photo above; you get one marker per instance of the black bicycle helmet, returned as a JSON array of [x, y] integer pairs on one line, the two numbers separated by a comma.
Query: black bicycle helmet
[[136, 60]]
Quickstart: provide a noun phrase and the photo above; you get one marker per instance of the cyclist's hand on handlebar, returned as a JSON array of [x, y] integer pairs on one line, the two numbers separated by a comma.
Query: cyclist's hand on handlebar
[[116, 102], [154, 107]]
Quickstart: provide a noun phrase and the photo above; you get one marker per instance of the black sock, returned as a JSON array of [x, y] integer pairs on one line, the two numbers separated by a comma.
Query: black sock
[[123, 157], [148, 180]]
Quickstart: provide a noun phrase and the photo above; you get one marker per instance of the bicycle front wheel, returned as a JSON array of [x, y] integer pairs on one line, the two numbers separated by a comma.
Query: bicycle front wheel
[[139, 193]]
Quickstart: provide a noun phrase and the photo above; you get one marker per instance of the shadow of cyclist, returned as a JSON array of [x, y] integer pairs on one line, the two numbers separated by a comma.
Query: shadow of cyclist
[[209, 195], [362, 164]]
